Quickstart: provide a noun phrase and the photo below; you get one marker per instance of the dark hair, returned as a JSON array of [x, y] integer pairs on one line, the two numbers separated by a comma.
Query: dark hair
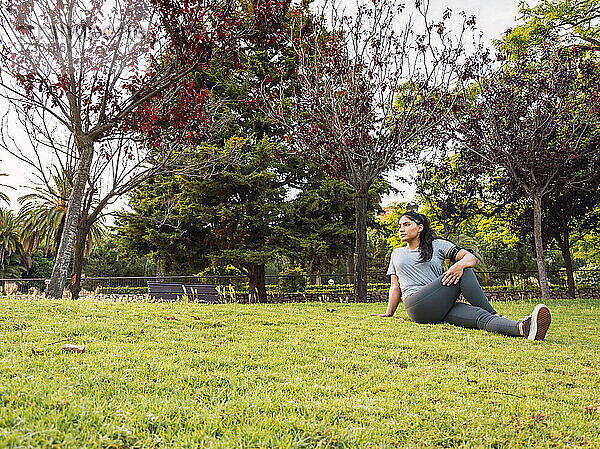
[[426, 237]]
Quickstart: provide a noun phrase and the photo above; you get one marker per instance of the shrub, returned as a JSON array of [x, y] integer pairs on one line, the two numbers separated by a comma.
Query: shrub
[[588, 276], [223, 276], [292, 280], [221, 270], [123, 290], [347, 288]]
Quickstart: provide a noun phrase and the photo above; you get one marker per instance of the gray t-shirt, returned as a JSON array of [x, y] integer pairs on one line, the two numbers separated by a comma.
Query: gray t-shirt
[[412, 274]]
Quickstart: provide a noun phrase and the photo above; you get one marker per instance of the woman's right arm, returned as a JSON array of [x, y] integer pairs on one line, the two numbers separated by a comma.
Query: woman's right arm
[[393, 298]]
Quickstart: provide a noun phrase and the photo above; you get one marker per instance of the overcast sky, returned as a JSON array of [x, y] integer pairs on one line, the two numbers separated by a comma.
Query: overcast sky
[[493, 17]]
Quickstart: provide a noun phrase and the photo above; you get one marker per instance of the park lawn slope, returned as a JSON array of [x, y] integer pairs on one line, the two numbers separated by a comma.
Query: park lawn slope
[[291, 376]]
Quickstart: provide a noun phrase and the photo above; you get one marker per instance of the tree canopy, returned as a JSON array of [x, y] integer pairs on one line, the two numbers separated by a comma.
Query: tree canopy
[[533, 125]]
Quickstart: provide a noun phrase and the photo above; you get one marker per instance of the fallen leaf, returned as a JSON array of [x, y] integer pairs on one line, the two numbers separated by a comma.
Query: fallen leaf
[[172, 317], [74, 348], [195, 317]]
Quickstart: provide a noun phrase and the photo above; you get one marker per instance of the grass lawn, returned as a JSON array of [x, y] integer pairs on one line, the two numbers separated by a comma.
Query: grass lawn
[[291, 376]]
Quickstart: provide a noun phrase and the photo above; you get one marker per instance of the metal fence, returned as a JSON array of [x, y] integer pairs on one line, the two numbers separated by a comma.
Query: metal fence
[[528, 280], [491, 280]]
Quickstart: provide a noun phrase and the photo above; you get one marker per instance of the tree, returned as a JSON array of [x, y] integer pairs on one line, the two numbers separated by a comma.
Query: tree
[[318, 223], [61, 59], [41, 268], [43, 214], [366, 92], [569, 214], [241, 217], [586, 249], [534, 123], [229, 218], [237, 211], [577, 22], [502, 246], [108, 259]]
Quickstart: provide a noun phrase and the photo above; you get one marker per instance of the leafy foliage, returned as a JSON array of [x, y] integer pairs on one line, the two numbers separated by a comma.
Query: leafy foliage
[[577, 22], [382, 238], [130, 78], [108, 259], [14, 261], [249, 213], [41, 267], [318, 223], [533, 126], [292, 280], [3, 196], [588, 276], [452, 196], [222, 270], [42, 216], [190, 223], [536, 119]]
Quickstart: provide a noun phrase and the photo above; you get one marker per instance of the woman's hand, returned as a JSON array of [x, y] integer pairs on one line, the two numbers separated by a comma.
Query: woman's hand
[[380, 314], [453, 275], [464, 259]]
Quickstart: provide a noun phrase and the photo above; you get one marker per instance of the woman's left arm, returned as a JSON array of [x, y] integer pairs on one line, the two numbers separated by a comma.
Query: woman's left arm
[[464, 259]]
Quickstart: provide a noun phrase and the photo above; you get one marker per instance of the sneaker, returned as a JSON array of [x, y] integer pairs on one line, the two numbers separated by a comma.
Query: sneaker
[[536, 325]]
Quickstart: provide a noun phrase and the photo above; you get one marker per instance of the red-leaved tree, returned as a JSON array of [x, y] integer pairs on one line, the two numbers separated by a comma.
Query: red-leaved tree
[[370, 85], [535, 123], [94, 65]]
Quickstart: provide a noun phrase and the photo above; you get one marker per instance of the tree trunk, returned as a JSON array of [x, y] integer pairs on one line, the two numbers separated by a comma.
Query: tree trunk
[[256, 284], [160, 274], [65, 249], [446, 230], [539, 246], [83, 229], [350, 270], [360, 256], [563, 243]]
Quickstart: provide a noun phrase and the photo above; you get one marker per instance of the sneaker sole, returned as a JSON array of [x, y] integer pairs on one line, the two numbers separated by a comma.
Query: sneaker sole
[[540, 322]]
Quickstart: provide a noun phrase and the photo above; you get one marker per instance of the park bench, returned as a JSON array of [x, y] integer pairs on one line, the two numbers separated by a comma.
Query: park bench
[[175, 291]]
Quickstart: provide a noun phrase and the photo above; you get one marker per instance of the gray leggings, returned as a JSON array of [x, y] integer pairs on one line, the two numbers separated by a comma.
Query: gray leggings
[[436, 302]]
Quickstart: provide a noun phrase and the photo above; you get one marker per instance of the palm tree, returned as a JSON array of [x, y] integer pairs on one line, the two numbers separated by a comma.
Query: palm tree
[[42, 217], [43, 213], [14, 260]]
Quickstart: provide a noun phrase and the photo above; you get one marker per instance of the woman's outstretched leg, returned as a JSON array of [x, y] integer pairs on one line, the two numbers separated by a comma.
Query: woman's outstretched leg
[[472, 291], [473, 317]]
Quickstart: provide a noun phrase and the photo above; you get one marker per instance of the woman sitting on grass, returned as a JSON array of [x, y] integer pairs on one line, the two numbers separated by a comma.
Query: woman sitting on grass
[[430, 296]]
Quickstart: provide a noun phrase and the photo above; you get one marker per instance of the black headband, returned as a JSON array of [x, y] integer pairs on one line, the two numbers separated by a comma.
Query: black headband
[[418, 219]]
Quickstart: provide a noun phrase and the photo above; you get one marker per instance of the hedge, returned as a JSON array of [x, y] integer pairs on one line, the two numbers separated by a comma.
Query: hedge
[[123, 290]]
